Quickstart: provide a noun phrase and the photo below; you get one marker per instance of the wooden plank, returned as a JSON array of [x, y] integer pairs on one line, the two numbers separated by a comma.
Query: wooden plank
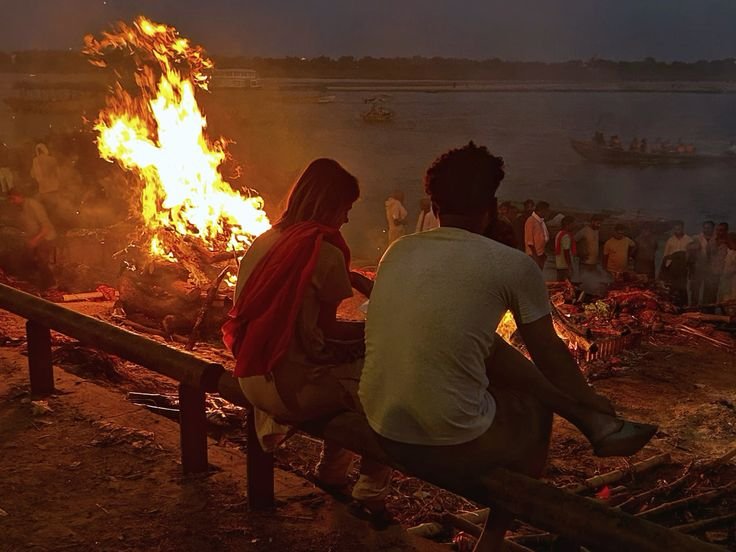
[[193, 429], [179, 365], [259, 470], [40, 368]]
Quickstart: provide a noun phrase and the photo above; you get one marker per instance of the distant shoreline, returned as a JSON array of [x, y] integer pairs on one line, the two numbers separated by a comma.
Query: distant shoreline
[[523, 86], [272, 84]]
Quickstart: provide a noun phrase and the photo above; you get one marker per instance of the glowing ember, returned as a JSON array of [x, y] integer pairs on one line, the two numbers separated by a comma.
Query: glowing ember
[[158, 132], [506, 327]]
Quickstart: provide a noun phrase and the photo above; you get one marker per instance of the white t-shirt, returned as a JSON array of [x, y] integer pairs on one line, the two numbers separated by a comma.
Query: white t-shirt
[[437, 301]]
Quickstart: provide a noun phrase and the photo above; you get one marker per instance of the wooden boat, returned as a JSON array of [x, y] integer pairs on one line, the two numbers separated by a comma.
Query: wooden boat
[[613, 156], [44, 97], [378, 114]]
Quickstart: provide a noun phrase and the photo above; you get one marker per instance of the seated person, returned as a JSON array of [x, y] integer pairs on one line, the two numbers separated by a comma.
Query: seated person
[[445, 395], [40, 237], [282, 328]]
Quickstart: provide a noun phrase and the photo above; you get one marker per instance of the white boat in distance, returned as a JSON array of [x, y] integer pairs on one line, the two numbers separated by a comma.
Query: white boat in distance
[[235, 78]]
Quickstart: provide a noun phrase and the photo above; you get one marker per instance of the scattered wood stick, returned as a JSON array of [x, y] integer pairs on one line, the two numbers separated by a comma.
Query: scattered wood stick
[[70, 297], [684, 328], [704, 523], [573, 332], [721, 461], [463, 524], [702, 498], [538, 539], [211, 293], [433, 528], [641, 498], [617, 475], [154, 331], [707, 317]]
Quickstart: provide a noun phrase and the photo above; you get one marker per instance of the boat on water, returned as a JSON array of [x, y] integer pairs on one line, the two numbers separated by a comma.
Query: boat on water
[[235, 78], [30, 96], [598, 153], [377, 113]]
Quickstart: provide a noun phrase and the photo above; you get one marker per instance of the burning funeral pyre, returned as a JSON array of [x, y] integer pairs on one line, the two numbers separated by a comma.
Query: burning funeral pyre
[[193, 224]]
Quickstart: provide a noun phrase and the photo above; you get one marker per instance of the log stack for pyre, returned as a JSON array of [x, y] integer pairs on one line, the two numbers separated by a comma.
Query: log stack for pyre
[[189, 214]]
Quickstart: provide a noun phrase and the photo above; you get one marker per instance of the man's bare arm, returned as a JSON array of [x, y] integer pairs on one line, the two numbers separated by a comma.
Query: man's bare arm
[[554, 360]]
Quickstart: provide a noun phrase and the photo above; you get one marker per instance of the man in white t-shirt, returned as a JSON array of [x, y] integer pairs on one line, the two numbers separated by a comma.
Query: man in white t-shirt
[[448, 398]]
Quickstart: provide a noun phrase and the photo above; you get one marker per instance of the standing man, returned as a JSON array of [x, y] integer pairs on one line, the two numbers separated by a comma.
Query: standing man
[[45, 172], [519, 223], [646, 250], [40, 236], [426, 220], [699, 260], [588, 242], [617, 251], [717, 251], [396, 216], [675, 261], [536, 234], [6, 174], [565, 250], [446, 396], [727, 288]]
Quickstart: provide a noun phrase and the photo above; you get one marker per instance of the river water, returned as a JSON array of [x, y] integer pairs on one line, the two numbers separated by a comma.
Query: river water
[[278, 129]]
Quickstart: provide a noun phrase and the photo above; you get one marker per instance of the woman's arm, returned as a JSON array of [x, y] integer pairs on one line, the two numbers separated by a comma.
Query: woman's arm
[[361, 283]]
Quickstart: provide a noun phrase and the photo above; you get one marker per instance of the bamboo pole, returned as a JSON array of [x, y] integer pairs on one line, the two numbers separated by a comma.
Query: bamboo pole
[[617, 475], [179, 365], [704, 523], [702, 498]]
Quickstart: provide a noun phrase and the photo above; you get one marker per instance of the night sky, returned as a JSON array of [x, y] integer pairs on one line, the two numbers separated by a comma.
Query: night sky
[[548, 30]]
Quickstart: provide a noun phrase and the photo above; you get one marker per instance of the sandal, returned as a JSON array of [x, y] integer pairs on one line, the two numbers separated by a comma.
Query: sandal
[[627, 440], [378, 515]]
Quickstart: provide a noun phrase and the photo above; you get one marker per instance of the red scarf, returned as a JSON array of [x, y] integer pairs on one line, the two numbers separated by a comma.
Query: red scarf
[[558, 243], [272, 297]]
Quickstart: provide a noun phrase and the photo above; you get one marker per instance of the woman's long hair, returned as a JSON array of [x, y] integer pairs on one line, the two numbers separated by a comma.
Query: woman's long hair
[[318, 195]]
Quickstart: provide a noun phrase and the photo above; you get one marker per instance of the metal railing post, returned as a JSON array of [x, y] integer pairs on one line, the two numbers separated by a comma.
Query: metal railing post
[[259, 470], [40, 369], [193, 429]]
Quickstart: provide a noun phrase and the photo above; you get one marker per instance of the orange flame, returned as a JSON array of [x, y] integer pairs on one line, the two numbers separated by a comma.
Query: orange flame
[[159, 133], [507, 326]]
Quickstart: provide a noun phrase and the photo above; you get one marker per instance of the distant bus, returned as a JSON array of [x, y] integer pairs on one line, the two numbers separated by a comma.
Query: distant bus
[[235, 78]]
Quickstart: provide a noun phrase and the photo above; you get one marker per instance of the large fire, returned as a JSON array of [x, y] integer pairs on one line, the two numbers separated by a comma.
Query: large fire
[[158, 131]]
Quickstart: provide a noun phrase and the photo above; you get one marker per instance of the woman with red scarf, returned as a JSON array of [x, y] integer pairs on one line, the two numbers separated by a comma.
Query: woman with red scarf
[[294, 361]]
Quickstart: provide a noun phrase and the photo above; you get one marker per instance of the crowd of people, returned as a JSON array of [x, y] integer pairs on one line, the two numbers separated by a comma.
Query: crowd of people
[[50, 187], [442, 393], [699, 270], [641, 145]]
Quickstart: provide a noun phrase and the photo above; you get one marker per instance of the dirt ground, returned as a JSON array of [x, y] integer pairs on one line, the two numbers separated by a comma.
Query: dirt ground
[[88, 470]]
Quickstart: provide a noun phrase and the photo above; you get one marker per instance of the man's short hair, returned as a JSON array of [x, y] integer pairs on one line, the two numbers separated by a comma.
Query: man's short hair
[[542, 205], [596, 218], [620, 227], [710, 222], [464, 181]]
